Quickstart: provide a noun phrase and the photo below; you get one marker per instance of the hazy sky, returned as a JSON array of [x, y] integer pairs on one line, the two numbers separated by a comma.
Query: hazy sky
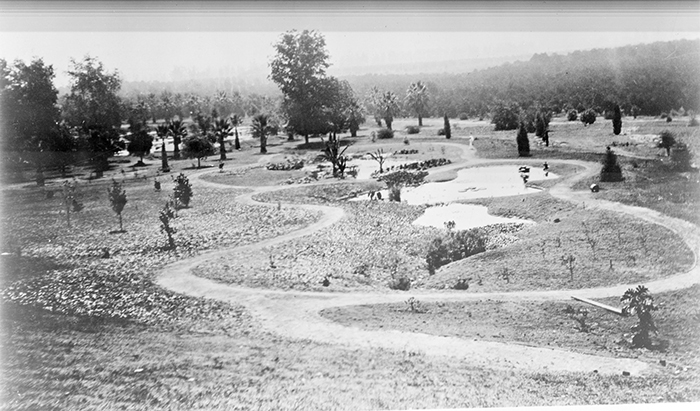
[[166, 41]]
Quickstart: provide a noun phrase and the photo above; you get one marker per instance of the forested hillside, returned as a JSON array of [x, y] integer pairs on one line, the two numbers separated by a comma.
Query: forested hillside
[[655, 77]]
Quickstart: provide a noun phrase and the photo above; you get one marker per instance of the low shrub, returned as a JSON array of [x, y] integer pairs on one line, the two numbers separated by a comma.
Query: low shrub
[[669, 119], [441, 132], [455, 246], [289, 164], [463, 116], [611, 169], [572, 115], [588, 117], [693, 122], [182, 190], [385, 133], [412, 130], [401, 283]]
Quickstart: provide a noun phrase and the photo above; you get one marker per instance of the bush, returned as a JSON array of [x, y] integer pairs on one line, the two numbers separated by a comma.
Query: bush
[[401, 283], [385, 133], [664, 115], [669, 119], [666, 141], [588, 117], [617, 121], [611, 169], [455, 246], [183, 190], [693, 122], [441, 132], [463, 116], [572, 115], [505, 118], [395, 193], [412, 130], [448, 131]]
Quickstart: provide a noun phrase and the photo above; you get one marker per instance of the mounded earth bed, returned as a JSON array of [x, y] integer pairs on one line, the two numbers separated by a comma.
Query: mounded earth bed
[[376, 243]]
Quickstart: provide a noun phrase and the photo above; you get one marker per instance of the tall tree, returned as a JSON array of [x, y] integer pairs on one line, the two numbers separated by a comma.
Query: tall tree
[[260, 129], [93, 107], [222, 129], [179, 132], [522, 141], [298, 67], [29, 120], [236, 121], [389, 107], [197, 146], [417, 100], [617, 121], [140, 142]]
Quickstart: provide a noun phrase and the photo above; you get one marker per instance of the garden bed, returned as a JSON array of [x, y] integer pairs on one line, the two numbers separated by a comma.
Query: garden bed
[[84, 270], [546, 324]]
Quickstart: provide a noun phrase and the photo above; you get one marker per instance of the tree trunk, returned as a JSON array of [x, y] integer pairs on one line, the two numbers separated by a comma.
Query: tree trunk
[[263, 144], [420, 120], [121, 228], [668, 151], [388, 123], [199, 162], [237, 144], [176, 149], [222, 149], [306, 139]]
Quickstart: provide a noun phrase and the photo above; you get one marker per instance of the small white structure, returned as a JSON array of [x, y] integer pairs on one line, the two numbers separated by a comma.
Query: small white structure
[[595, 188]]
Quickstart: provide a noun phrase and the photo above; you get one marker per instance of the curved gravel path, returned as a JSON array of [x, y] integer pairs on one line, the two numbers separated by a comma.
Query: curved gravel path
[[295, 315]]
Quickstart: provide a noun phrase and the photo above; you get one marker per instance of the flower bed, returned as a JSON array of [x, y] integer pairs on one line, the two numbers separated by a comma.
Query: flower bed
[[120, 286]]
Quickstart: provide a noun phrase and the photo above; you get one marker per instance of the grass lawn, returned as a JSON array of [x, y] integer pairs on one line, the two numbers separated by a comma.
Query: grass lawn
[[53, 361]]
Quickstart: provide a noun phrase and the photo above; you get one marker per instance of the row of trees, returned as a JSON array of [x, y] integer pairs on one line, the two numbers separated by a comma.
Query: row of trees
[[653, 78]]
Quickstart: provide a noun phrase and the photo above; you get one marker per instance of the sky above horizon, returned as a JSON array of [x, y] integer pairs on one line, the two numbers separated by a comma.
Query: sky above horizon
[[229, 43]]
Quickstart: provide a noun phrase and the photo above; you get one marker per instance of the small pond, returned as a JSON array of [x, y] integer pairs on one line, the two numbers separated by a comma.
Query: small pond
[[465, 216], [476, 182]]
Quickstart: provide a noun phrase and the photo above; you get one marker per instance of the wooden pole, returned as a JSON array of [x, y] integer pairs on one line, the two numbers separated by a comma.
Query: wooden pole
[[614, 310]]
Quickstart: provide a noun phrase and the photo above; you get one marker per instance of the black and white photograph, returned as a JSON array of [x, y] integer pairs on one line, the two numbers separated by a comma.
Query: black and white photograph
[[339, 205]]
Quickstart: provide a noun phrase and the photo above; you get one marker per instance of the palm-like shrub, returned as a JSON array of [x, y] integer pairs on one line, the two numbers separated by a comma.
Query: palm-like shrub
[[222, 128], [260, 129], [640, 302], [179, 132]]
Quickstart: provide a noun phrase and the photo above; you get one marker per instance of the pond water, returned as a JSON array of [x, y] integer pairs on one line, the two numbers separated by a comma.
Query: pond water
[[476, 182], [465, 216]]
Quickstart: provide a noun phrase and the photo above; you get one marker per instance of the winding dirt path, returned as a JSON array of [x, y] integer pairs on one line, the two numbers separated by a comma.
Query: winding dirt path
[[295, 315]]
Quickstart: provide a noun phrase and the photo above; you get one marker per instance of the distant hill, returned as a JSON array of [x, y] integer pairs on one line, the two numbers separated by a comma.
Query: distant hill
[[655, 77]]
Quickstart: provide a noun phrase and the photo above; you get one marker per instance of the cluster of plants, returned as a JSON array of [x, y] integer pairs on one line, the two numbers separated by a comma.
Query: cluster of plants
[[385, 133], [456, 245], [405, 151], [417, 165], [290, 164]]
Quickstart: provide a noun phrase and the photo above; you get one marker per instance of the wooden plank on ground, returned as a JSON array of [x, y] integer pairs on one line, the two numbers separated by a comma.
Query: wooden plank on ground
[[614, 310]]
